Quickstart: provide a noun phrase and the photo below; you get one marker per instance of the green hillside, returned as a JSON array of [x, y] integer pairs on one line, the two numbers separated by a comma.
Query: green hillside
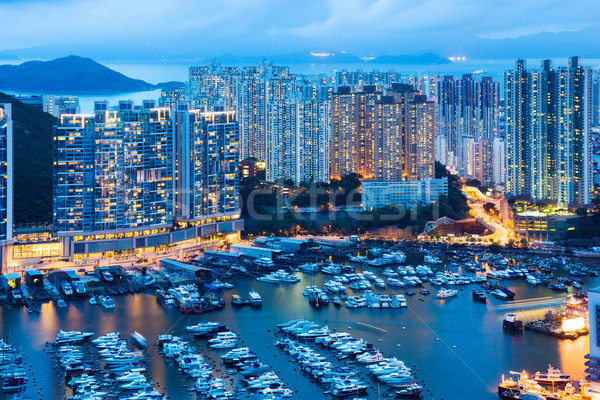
[[32, 162]]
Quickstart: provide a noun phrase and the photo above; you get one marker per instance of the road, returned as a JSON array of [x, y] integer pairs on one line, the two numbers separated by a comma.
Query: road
[[477, 199]]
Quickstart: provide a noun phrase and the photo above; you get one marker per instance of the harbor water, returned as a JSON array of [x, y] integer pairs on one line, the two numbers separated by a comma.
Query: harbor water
[[456, 347]]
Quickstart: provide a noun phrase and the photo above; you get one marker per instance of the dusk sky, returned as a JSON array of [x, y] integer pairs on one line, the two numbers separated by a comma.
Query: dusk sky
[[362, 27]]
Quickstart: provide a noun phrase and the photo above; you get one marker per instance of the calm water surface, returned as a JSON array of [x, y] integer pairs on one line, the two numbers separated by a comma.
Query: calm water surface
[[466, 362]]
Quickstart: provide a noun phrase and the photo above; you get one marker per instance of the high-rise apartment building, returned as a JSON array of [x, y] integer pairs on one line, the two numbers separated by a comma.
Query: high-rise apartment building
[[6, 183], [6, 174], [140, 172], [419, 141], [352, 120], [548, 117], [383, 137], [468, 121]]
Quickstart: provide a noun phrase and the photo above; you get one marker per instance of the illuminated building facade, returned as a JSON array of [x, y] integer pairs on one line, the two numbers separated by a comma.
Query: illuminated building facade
[[468, 120], [134, 179], [6, 180], [298, 137], [282, 152], [378, 194], [419, 143], [548, 118], [593, 357], [352, 121]]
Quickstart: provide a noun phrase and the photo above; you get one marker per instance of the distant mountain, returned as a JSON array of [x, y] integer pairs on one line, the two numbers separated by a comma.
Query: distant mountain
[[7, 56], [70, 74], [32, 141], [582, 42], [427, 58]]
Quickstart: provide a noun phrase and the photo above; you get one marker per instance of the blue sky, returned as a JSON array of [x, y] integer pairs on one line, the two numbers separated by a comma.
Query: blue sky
[[249, 27]]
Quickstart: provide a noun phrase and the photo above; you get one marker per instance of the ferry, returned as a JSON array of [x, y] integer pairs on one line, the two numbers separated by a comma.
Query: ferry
[[255, 299]]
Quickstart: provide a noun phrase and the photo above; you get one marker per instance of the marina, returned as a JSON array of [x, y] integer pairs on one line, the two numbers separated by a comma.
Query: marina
[[397, 326]]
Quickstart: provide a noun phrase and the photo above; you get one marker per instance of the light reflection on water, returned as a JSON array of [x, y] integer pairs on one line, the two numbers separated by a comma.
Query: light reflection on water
[[482, 353]]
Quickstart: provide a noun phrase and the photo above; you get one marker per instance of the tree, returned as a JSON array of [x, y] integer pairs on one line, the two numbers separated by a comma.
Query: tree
[[524, 244], [490, 208]]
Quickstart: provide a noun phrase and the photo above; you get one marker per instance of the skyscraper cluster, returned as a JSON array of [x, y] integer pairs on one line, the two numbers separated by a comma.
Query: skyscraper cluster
[[283, 119], [136, 170], [548, 117], [468, 127], [388, 137]]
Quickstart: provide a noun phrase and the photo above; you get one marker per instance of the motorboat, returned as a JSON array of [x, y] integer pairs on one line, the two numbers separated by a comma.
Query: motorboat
[[224, 344], [313, 333], [203, 328], [499, 294], [310, 268], [135, 384], [348, 389], [79, 287], [220, 336], [66, 337], [268, 279], [479, 295], [331, 269], [106, 302], [445, 293], [131, 376], [413, 390]]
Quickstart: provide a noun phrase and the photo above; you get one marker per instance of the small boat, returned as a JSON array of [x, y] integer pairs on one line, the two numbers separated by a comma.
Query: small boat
[[108, 276], [148, 280], [512, 323], [499, 294], [106, 302], [479, 295], [60, 303], [93, 300], [66, 337], [255, 299], [138, 339], [236, 300], [412, 390], [445, 293]]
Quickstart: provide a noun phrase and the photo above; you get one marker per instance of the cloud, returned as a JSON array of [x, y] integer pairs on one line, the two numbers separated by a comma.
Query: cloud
[[263, 26]]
